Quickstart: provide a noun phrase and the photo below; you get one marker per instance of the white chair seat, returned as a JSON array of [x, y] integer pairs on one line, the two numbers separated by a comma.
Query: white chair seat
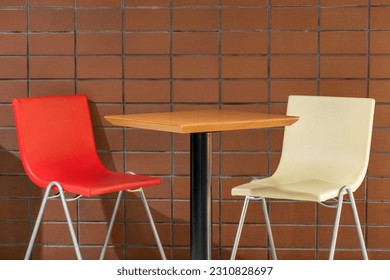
[[280, 188]]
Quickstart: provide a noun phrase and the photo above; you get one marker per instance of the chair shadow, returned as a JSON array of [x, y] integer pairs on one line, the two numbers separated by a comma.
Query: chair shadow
[[107, 156]]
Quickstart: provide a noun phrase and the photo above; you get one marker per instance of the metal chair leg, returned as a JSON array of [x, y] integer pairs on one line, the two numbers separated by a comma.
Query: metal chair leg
[[269, 231], [155, 233], [336, 224], [348, 190], [40, 215], [239, 230], [357, 223], [116, 207]]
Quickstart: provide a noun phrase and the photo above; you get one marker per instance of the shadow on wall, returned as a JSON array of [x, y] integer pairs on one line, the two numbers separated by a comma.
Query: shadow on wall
[[15, 199]]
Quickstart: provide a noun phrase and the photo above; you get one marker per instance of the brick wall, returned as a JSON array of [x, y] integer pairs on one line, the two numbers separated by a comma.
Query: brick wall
[[133, 56]]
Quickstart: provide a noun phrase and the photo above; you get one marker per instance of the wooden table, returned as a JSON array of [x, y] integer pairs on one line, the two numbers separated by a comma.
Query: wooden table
[[200, 124]]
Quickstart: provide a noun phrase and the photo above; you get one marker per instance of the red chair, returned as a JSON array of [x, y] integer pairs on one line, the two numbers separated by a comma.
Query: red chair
[[58, 152]]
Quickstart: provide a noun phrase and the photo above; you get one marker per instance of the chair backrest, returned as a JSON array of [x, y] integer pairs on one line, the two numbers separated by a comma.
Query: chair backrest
[[331, 140], [55, 136]]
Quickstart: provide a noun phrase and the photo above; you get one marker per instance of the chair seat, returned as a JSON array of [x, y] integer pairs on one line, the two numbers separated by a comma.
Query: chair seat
[[281, 188], [99, 182]]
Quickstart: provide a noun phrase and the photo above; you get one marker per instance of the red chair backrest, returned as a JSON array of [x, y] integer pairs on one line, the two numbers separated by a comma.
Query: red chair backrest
[[55, 136]]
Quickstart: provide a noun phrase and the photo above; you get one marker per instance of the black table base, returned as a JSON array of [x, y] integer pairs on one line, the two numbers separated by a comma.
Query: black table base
[[201, 175]]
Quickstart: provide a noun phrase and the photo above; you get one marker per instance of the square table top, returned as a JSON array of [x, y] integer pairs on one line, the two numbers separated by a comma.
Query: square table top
[[197, 121]]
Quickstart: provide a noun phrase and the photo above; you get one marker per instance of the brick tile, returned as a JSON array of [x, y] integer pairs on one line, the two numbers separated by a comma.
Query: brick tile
[[153, 163], [244, 91], [345, 2], [52, 67], [380, 42], [53, 253], [143, 3], [51, 20], [14, 209], [99, 43], [343, 42], [293, 67], [378, 18], [150, 108], [13, 67], [346, 238], [294, 236], [99, 111], [244, 19], [141, 234], [179, 3], [15, 232], [51, 3], [99, 3], [161, 211], [378, 213], [247, 140], [244, 43], [13, 3], [244, 2], [15, 186], [99, 67], [51, 87], [98, 210], [378, 188], [147, 140], [195, 67], [378, 66], [92, 233], [335, 19], [147, 19], [244, 164], [12, 89], [13, 165], [195, 91], [51, 44], [294, 18], [343, 67], [347, 88], [380, 141], [195, 43], [195, 19], [13, 20], [142, 67], [381, 116], [146, 91], [378, 237], [105, 19], [12, 252], [293, 42], [147, 43], [13, 44], [244, 67], [292, 212]]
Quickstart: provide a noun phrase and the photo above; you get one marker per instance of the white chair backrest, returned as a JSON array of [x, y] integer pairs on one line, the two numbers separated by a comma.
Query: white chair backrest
[[331, 140]]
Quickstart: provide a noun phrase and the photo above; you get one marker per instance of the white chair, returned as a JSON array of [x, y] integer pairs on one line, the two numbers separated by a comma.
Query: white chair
[[324, 156]]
